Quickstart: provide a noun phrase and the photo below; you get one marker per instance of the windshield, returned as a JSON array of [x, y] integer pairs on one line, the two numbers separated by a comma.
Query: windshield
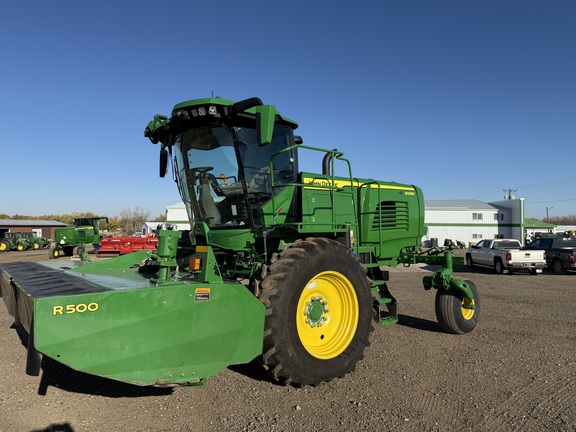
[[224, 175]]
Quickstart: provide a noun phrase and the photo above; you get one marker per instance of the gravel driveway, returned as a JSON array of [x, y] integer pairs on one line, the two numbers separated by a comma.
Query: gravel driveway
[[515, 372]]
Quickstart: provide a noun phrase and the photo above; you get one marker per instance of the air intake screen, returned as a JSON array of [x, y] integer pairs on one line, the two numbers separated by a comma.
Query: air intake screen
[[391, 215]]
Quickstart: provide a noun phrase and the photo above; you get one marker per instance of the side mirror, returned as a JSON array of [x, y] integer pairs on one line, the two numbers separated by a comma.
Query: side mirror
[[265, 117], [163, 162]]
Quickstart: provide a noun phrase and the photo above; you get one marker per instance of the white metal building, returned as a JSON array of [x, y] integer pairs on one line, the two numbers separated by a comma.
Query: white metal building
[[177, 217], [470, 221]]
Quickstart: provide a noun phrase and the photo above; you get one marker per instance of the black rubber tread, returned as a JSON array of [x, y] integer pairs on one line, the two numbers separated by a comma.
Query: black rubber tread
[[469, 262], [6, 246], [558, 267], [499, 270], [449, 310], [284, 356]]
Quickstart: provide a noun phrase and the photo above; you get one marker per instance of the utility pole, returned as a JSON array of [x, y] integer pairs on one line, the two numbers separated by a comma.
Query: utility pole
[[548, 208], [509, 193]]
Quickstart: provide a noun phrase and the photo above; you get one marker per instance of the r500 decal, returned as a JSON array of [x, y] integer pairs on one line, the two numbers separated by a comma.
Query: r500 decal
[[74, 308]]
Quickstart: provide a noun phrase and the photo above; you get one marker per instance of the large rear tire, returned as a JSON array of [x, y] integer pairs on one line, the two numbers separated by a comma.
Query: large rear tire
[[4, 246], [452, 310], [318, 312]]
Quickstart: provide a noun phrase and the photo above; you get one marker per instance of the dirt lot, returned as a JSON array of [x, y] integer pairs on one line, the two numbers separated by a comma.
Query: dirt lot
[[515, 372]]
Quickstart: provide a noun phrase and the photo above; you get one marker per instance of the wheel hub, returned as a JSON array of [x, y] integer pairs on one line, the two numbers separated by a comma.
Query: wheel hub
[[326, 333], [315, 311]]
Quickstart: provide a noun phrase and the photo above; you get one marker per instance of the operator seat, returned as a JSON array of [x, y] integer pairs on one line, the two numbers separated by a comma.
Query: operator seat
[[206, 202], [261, 181]]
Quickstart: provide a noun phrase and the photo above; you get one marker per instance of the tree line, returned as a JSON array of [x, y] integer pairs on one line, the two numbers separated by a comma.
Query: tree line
[[129, 221], [561, 220]]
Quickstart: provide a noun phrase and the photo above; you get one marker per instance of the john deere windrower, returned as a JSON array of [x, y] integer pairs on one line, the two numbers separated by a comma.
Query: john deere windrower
[[280, 264]]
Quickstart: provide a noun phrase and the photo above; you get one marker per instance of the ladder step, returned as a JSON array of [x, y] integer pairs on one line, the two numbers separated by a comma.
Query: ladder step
[[384, 300], [388, 320]]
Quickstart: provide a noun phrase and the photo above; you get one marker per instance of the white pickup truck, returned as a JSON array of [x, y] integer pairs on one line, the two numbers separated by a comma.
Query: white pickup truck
[[505, 256]]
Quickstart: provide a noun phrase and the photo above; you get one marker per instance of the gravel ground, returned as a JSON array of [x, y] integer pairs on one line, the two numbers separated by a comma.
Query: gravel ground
[[515, 372]]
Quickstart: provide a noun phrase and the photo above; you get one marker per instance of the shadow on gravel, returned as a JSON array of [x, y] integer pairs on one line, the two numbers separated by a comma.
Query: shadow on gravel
[[60, 376], [419, 323], [254, 370], [61, 427]]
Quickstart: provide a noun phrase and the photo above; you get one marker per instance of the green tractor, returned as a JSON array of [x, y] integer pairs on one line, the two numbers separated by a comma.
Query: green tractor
[[32, 241], [72, 240], [15, 241], [280, 265]]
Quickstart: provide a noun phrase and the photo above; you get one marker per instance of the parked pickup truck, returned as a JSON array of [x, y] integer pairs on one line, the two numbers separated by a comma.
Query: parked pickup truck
[[560, 252], [505, 256]]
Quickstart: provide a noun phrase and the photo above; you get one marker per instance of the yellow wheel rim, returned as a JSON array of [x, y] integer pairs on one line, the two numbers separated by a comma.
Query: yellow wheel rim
[[467, 313], [327, 315], [3, 246], [20, 247], [36, 246]]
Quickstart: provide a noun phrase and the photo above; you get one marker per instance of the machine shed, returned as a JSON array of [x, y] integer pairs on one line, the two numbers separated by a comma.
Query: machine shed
[[468, 221], [41, 228]]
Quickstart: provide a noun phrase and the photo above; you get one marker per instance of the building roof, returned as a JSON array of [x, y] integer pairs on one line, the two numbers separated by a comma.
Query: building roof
[[27, 223], [153, 225], [535, 223], [179, 205], [457, 204]]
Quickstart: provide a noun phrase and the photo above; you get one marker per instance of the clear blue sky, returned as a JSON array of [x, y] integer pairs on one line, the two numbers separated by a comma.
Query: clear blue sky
[[462, 98]]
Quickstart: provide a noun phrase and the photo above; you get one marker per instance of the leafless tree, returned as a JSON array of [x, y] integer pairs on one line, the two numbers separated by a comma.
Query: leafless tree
[[133, 219]]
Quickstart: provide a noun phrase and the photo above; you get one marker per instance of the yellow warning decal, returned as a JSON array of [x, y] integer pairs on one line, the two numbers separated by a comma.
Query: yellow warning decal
[[202, 294]]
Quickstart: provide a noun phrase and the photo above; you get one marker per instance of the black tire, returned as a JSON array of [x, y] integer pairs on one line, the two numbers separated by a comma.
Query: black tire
[[80, 251], [53, 253], [21, 248], [4, 246], [68, 250], [498, 266], [36, 246], [469, 262], [558, 267], [450, 311], [307, 341]]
